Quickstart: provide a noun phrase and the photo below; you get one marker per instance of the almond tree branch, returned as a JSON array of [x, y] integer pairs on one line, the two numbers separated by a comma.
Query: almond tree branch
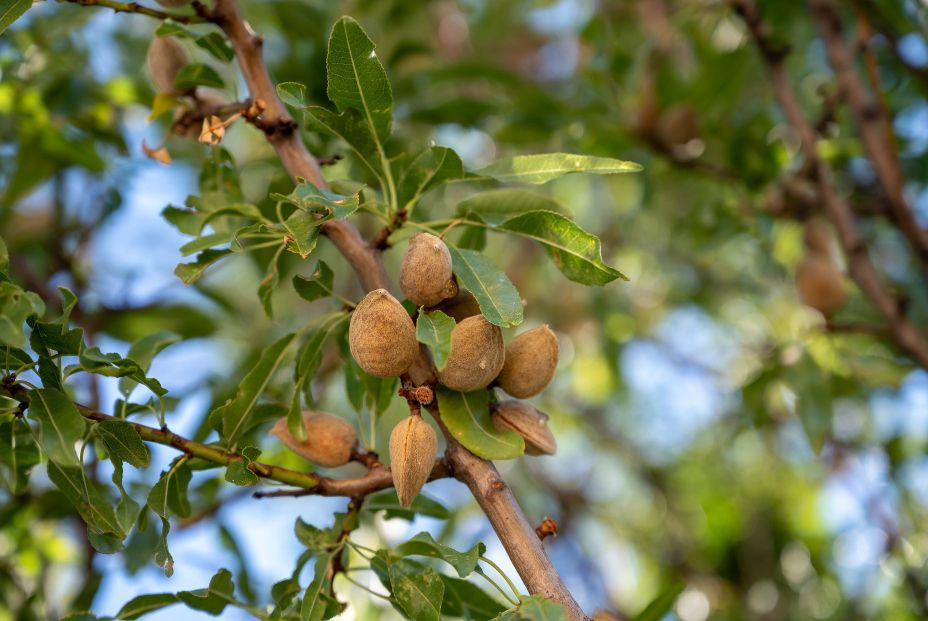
[[481, 477], [861, 267], [872, 124], [135, 7]]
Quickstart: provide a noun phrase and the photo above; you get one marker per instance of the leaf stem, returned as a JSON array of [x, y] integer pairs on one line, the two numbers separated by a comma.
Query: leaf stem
[[501, 573]]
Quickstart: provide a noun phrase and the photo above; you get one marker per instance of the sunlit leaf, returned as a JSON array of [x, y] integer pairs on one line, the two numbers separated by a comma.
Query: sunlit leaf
[[544, 167], [434, 330], [499, 300], [467, 416]]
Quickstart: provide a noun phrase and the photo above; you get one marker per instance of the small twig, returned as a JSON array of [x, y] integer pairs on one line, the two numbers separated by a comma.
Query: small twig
[[380, 240], [135, 7]]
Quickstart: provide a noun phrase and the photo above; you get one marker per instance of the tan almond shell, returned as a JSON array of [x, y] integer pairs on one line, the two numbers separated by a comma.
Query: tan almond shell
[[166, 57], [425, 275], [821, 284], [413, 444], [531, 359], [461, 306], [381, 335], [329, 438], [477, 355], [528, 422]]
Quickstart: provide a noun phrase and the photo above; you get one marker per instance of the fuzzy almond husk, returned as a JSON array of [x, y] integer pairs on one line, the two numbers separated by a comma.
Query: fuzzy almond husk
[[477, 355], [821, 284], [381, 335], [531, 359], [425, 276], [461, 306], [412, 454], [329, 439], [166, 57], [528, 422]]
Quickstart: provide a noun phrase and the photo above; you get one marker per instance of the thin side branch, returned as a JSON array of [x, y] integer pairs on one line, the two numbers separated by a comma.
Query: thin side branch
[[376, 479], [861, 267], [135, 7]]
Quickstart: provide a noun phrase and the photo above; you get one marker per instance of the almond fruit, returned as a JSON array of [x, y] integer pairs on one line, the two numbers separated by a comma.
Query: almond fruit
[[412, 455], [425, 276], [477, 355], [166, 57], [329, 439], [528, 422], [381, 335], [531, 359]]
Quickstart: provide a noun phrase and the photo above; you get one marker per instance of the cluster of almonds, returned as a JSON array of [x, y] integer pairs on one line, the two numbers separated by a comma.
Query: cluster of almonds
[[382, 340]]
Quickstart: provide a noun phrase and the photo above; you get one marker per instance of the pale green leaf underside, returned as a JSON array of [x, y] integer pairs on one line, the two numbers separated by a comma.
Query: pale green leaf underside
[[544, 167]]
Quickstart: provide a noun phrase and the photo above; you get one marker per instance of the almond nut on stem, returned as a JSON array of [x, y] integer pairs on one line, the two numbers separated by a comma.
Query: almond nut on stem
[[477, 355], [531, 359], [329, 439], [425, 276], [412, 455], [381, 335], [166, 57], [528, 422]]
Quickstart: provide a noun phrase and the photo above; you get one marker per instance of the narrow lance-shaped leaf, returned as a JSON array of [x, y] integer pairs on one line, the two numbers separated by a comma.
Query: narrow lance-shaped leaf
[[434, 330], [576, 253], [430, 169], [18, 452], [317, 285], [499, 300], [544, 167], [424, 544], [144, 604], [62, 424], [467, 416], [94, 508], [11, 10], [356, 78], [351, 127], [234, 414], [496, 206]]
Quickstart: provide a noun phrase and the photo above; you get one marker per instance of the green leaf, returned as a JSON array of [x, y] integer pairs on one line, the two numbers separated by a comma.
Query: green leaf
[[268, 284], [467, 416], [356, 79], [144, 604], [11, 10], [574, 251], [16, 306], [162, 554], [292, 93], [424, 544], [534, 608], [660, 605], [4, 252], [351, 127], [418, 589], [170, 493], [191, 272], [430, 169], [12, 358], [143, 352], [497, 206], [308, 197], [434, 330], [235, 413], [94, 508], [19, 453], [123, 441], [197, 74], [314, 605], [216, 45], [8, 405], [302, 233], [423, 505], [544, 167], [463, 599], [213, 599], [317, 285], [62, 424], [238, 473], [499, 300]]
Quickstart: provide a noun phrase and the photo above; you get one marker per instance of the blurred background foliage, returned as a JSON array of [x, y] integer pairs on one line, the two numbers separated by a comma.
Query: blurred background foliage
[[713, 431]]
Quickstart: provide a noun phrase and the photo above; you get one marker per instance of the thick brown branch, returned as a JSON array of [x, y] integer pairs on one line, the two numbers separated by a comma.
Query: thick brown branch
[[283, 135], [872, 124], [376, 479], [839, 212]]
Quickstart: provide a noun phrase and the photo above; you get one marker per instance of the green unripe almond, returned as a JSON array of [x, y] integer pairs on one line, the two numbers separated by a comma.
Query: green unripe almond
[[531, 359], [412, 454], [381, 335], [528, 422], [425, 276], [166, 57], [477, 355], [329, 439]]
